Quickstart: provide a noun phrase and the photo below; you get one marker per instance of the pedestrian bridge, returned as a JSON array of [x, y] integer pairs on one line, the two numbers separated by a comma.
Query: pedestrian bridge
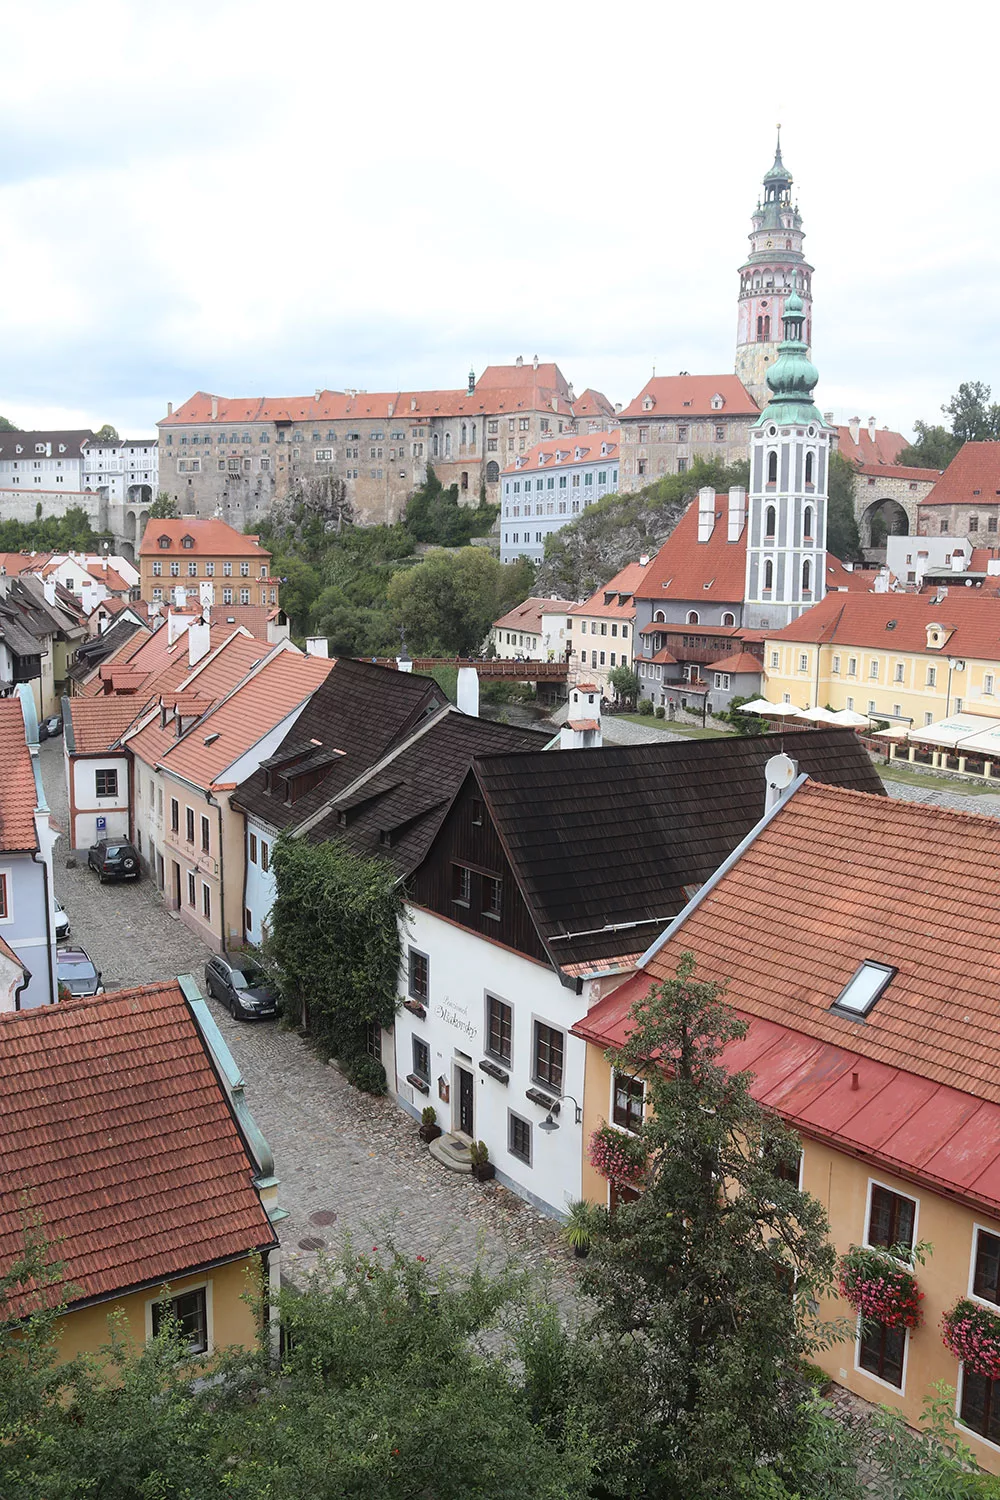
[[513, 671]]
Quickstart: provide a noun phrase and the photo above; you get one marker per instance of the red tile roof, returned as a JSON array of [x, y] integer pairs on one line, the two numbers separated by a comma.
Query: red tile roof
[[971, 622], [861, 580], [835, 878], [685, 568], [211, 539], [681, 396], [871, 453], [12, 563], [900, 471], [117, 1132], [593, 404], [741, 662], [18, 797], [972, 478], [528, 615], [99, 723], [622, 586], [561, 452]]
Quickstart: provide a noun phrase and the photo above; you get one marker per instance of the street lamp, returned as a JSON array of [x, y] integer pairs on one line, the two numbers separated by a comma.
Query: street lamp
[[549, 1124]]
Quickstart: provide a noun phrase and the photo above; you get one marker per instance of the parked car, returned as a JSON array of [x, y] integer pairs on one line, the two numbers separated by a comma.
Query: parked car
[[241, 986], [114, 859], [76, 972], [50, 728], [62, 922]]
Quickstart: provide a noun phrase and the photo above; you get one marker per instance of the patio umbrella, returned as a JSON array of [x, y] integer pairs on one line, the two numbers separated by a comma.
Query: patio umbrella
[[820, 715], [782, 711], [758, 706], [850, 717]]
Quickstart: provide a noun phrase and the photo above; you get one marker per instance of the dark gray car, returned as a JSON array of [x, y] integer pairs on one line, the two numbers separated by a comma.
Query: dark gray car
[[114, 859], [242, 987]]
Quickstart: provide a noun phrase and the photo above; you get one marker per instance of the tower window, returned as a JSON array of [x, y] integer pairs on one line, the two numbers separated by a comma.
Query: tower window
[[768, 575], [769, 519], [809, 468], [772, 467], [807, 522], [806, 577]]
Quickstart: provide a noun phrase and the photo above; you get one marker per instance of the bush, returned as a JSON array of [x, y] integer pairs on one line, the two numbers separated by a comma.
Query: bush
[[644, 706], [660, 711], [365, 1073]]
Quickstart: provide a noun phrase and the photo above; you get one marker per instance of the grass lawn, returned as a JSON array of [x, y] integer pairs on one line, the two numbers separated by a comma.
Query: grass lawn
[[693, 731], [892, 771]]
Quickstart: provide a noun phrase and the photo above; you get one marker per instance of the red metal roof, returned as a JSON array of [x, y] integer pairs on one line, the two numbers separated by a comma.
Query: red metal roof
[[117, 1132]]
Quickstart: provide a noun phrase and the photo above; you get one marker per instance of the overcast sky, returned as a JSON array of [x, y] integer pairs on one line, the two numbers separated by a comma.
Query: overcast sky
[[243, 198]]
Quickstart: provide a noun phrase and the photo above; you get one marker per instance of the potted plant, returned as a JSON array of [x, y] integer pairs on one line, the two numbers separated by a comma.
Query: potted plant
[[429, 1127], [972, 1333], [482, 1168], [880, 1288], [618, 1155], [582, 1222]]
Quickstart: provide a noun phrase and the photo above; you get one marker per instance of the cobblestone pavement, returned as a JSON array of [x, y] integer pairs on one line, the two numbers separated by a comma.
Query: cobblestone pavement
[[906, 791], [346, 1162]]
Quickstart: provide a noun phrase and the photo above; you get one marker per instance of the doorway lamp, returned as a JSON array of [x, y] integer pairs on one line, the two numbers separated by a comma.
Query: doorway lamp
[[549, 1124]]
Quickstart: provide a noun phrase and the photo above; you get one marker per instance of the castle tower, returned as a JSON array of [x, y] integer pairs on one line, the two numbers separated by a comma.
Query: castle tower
[[775, 267], [789, 466]]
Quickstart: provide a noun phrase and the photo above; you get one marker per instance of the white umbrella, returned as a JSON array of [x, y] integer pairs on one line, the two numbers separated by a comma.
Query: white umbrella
[[849, 717], [894, 732], [783, 711], [758, 706], [821, 715]]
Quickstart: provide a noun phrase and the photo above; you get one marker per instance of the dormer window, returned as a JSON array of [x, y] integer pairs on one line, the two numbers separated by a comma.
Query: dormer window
[[40, 448], [163, 541], [864, 987], [187, 542], [718, 402], [648, 403]]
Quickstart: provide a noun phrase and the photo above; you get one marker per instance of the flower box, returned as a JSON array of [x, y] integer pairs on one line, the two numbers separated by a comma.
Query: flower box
[[617, 1155], [880, 1289], [972, 1333]]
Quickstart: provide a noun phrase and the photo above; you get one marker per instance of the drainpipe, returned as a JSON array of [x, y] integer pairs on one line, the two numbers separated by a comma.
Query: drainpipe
[[222, 878], [39, 857], [819, 649], [951, 668]]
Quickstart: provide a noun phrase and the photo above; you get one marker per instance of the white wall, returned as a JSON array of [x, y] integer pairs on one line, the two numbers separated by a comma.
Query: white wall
[[82, 774], [462, 968], [260, 890]]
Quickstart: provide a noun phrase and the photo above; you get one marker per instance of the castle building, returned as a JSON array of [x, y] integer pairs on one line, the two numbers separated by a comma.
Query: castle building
[[789, 463], [774, 269]]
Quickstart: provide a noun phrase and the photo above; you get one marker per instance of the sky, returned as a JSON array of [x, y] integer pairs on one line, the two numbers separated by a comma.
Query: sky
[[235, 198]]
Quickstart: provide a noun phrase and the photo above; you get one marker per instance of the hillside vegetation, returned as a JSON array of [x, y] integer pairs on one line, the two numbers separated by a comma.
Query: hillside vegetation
[[619, 528]]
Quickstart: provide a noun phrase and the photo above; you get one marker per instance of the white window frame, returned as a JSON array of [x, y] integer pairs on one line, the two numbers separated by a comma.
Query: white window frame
[[978, 1228], [185, 1291], [7, 876], [888, 1188], [887, 1385]]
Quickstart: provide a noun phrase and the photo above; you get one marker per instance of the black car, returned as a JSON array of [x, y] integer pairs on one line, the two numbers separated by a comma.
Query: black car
[[242, 987], [114, 859], [51, 727], [77, 974]]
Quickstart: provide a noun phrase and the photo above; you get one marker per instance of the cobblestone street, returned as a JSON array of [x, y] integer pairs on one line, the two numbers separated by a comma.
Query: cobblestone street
[[337, 1152]]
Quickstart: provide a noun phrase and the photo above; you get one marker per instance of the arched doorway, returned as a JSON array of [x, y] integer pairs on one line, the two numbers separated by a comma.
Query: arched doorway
[[884, 517]]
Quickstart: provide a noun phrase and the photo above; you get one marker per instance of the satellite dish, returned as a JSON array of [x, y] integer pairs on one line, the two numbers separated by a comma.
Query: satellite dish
[[780, 771]]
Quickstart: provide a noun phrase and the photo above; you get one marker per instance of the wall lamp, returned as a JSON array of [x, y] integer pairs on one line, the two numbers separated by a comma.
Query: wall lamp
[[549, 1124]]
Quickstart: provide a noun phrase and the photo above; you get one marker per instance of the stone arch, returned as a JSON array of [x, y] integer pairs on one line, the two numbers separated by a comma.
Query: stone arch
[[894, 519], [492, 471], [140, 494]]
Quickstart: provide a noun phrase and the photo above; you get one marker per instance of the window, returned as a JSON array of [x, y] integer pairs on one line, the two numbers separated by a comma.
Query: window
[[548, 1059], [419, 985], [932, 676], [499, 1019], [421, 1059], [863, 988], [157, 569], [809, 478], [768, 575], [835, 667], [227, 570], [852, 666], [227, 596], [189, 824], [693, 617], [803, 662], [722, 681], [979, 1408], [772, 470], [206, 902], [769, 521], [106, 783], [265, 856], [204, 835], [973, 523], [873, 669], [192, 893], [881, 1351], [628, 1097], [519, 1138], [807, 577], [492, 896], [190, 1310], [175, 815], [986, 1267], [477, 813], [988, 683], [373, 1040], [461, 885], [247, 919], [898, 674], [253, 848], [891, 1218], [775, 659], [244, 596], [4, 899], [729, 618], [244, 570]]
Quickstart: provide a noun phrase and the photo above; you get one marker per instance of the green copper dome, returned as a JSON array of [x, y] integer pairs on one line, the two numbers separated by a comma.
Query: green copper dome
[[778, 172], [793, 376]]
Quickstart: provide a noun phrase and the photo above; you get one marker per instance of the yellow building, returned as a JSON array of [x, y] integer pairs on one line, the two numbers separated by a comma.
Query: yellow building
[[857, 937], [196, 555], [910, 658], [143, 1167]]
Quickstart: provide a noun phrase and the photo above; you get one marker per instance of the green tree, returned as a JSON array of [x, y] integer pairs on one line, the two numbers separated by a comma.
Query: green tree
[[433, 514], [974, 419], [935, 447], [447, 603], [300, 586], [163, 508], [841, 524], [625, 682], [693, 1282], [6, 426], [335, 940], [70, 532], [107, 434]]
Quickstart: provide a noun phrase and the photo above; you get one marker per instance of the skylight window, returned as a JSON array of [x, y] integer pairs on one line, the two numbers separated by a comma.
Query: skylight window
[[863, 989]]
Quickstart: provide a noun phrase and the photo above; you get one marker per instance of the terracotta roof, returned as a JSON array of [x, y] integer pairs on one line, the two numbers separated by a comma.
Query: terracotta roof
[[18, 797], [972, 478], [860, 580], [741, 662], [528, 615], [211, 539], [685, 568], [98, 723], [681, 396], [117, 1131], [12, 563], [560, 452], [253, 617], [871, 453], [900, 471], [605, 602], [898, 622], [580, 725], [593, 404], [662, 658]]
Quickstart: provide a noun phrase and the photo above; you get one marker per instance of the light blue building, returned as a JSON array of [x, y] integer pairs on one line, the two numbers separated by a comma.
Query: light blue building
[[27, 915], [553, 484]]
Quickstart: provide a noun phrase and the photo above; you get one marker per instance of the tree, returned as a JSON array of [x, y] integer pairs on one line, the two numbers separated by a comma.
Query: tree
[[693, 1282], [433, 514], [107, 434], [446, 604], [163, 508], [625, 681], [973, 419], [70, 532], [934, 448], [6, 426], [841, 524], [300, 586]]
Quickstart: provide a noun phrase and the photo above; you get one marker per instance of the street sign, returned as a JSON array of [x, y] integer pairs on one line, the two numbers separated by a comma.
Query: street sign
[[102, 824]]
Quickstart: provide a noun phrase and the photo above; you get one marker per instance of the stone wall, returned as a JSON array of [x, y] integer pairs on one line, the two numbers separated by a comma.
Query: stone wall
[[651, 449], [871, 492], [978, 521]]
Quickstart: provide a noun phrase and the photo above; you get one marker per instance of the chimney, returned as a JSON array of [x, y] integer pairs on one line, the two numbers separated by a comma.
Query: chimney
[[737, 512], [199, 640], [318, 394], [205, 593], [519, 361], [317, 645], [49, 589], [215, 408], [828, 418], [468, 692], [534, 363], [180, 594], [584, 711], [706, 513], [413, 403], [644, 560], [170, 408], [854, 427], [871, 428], [618, 407]]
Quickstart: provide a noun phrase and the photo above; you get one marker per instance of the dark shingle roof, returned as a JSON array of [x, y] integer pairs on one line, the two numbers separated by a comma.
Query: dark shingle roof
[[90, 654], [613, 836], [398, 810], [361, 710]]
